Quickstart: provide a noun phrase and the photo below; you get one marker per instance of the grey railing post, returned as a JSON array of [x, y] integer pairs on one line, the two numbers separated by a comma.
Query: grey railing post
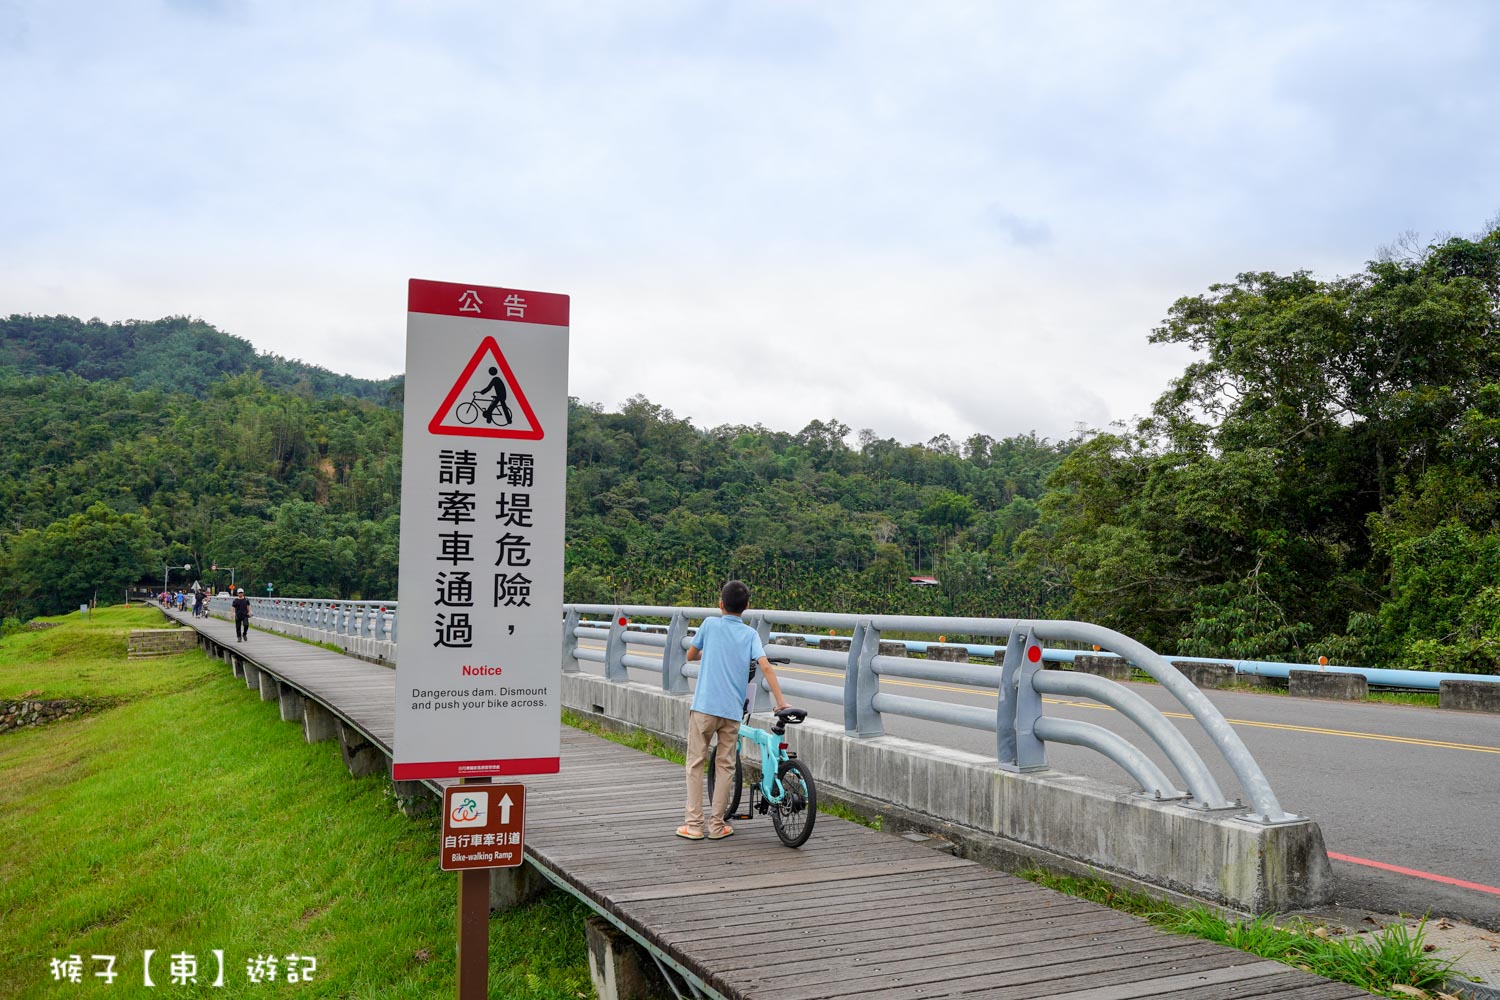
[[674, 657], [614, 649], [1031, 752], [395, 620], [1016, 745], [851, 680], [570, 642], [867, 719], [761, 700], [1005, 712]]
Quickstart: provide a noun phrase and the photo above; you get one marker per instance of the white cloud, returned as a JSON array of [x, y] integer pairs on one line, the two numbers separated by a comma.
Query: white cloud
[[923, 219]]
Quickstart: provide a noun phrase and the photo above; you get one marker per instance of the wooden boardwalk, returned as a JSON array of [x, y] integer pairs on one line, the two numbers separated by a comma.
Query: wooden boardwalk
[[853, 913]]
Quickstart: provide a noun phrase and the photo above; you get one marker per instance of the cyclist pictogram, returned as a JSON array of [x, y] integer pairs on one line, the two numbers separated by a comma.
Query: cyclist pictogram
[[468, 809], [487, 401]]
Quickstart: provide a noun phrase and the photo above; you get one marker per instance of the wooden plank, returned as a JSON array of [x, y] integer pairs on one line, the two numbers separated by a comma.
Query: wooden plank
[[902, 891], [1073, 972], [968, 917], [944, 935], [1196, 980], [782, 878], [1290, 984], [1124, 948]]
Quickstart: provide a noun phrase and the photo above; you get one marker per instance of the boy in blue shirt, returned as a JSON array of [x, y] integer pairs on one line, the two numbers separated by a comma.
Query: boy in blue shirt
[[727, 646]]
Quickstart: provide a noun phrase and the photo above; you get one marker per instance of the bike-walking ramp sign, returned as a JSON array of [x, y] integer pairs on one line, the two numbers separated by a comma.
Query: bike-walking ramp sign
[[483, 481], [487, 401]]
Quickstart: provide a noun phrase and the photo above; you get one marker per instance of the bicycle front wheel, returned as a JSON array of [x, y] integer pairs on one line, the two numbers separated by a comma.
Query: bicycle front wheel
[[794, 815], [735, 789], [466, 413]]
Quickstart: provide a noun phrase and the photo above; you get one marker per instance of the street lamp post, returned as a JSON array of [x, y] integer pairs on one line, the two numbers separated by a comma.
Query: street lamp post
[[166, 571], [216, 567]]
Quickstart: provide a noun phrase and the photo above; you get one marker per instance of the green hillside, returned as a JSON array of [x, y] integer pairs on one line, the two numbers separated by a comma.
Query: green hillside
[[1323, 479], [176, 354]]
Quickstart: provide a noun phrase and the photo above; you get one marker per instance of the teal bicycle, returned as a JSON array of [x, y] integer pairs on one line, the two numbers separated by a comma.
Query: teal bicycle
[[786, 789]]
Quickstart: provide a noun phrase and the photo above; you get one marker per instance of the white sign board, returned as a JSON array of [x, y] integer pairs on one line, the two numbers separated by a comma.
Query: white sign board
[[483, 479]]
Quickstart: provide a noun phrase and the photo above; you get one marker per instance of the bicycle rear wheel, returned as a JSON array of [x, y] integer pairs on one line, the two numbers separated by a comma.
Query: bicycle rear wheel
[[795, 814], [735, 789]]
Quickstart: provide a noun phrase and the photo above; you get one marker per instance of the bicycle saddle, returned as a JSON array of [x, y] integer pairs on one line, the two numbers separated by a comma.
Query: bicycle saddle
[[792, 715]]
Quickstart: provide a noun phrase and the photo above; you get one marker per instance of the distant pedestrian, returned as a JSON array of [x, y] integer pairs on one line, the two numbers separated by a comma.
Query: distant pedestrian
[[241, 616], [198, 596]]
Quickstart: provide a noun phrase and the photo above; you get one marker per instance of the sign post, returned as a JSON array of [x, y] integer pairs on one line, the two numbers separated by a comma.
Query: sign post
[[484, 468]]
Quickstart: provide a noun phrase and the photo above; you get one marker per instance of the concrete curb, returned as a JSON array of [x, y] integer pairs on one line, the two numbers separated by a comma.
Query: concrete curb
[[1470, 990]]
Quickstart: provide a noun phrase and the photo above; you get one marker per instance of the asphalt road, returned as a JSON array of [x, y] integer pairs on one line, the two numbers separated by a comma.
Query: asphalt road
[[1408, 798]]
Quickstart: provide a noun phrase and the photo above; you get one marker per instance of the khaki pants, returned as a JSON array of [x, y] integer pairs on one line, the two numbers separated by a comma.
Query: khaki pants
[[702, 728]]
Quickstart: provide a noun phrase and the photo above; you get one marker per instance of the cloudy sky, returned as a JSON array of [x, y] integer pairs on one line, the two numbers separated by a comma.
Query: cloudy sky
[[919, 218]]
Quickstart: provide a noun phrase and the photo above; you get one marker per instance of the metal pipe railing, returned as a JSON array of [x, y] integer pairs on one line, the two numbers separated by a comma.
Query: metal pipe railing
[[863, 670], [1138, 710], [1115, 747], [1020, 727]]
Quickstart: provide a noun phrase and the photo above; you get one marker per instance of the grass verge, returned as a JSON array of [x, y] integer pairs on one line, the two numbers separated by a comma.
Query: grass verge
[[188, 818], [1391, 961]]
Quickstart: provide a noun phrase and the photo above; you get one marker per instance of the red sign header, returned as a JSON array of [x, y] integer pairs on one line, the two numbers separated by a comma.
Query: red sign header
[[514, 305]]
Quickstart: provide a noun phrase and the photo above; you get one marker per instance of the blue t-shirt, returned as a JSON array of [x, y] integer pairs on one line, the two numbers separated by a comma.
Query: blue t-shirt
[[728, 646]]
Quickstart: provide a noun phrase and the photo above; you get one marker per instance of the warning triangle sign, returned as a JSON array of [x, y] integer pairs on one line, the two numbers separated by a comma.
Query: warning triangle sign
[[487, 401]]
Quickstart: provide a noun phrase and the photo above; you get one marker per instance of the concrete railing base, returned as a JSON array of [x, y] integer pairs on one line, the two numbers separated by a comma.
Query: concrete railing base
[[1079, 823], [1206, 675], [1470, 696], [1110, 667], [1320, 684]]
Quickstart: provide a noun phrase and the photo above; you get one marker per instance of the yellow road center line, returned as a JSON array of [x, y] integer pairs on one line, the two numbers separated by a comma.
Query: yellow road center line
[[1284, 726]]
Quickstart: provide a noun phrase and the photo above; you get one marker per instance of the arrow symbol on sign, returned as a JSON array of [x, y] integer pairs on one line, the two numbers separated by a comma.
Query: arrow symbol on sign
[[505, 805]]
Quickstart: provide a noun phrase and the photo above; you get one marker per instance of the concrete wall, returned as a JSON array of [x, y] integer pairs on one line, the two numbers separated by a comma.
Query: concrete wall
[[146, 643], [1180, 849], [1322, 684], [1469, 696]]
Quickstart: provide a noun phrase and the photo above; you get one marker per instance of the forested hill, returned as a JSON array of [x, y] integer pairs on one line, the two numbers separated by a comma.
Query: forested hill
[[103, 484], [175, 354], [1323, 479]]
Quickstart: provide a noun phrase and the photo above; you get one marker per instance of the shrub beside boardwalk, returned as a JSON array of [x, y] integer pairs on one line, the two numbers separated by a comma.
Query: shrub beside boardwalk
[[183, 820]]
